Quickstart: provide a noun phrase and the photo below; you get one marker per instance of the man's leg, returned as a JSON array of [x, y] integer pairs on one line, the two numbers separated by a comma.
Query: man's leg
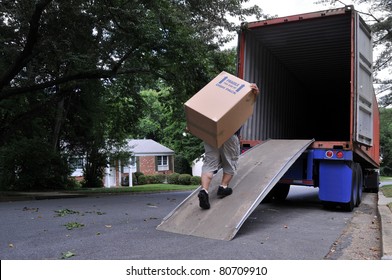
[[223, 190], [206, 178], [211, 163], [229, 152], [226, 178]]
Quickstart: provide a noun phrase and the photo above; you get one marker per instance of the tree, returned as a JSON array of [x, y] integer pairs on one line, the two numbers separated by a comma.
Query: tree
[[153, 120], [386, 141], [100, 53], [45, 41], [378, 15]]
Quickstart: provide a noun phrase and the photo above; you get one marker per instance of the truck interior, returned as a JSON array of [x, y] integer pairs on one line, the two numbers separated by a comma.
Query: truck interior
[[306, 87]]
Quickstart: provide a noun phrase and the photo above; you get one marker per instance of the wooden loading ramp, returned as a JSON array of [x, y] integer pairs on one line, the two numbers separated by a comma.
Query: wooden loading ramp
[[260, 168]]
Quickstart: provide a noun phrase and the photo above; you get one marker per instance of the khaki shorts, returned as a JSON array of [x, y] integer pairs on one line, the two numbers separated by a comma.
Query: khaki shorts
[[225, 157]]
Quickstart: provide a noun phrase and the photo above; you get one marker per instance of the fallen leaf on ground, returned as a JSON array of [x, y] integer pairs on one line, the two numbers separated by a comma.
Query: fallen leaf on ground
[[67, 255]]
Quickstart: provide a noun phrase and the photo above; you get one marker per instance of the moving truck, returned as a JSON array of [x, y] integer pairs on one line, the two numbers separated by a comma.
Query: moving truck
[[314, 71], [315, 122]]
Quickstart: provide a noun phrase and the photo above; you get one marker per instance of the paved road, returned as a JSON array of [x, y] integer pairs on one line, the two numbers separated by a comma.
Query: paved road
[[124, 227]]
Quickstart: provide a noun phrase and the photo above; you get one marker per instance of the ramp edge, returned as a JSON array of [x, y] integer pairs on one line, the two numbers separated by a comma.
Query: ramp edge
[[273, 181]]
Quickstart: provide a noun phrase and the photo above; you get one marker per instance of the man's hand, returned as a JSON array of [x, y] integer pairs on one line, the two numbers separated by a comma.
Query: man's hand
[[255, 89]]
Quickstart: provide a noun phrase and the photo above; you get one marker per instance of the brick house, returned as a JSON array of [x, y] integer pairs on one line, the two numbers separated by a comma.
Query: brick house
[[148, 157]]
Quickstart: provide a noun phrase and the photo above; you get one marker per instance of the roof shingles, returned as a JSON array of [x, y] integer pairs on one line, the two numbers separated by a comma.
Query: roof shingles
[[143, 147]]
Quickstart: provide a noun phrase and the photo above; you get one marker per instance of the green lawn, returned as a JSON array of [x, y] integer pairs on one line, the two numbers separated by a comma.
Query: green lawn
[[383, 178], [387, 189]]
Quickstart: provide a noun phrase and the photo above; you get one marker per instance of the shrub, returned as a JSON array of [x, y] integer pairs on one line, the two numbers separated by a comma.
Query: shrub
[[150, 179], [137, 175], [73, 184], [142, 180], [173, 178], [181, 165], [195, 180], [31, 164], [184, 179], [134, 179], [160, 178]]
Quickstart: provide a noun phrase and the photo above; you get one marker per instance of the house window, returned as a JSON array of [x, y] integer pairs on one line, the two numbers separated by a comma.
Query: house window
[[162, 163], [76, 163], [131, 164], [132, 161]]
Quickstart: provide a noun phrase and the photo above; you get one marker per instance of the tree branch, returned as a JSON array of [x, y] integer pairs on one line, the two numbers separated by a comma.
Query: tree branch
[[90, 75], [27, 52]]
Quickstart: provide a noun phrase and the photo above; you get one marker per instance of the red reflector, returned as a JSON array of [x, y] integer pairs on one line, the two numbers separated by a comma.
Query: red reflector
[[329, 154], [339, 154]]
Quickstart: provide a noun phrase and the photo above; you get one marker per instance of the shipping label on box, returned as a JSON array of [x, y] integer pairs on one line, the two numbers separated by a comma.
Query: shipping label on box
[[219, 109]]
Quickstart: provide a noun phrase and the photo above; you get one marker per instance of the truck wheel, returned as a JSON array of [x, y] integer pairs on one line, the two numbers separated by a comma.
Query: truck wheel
[[359, 184], [349, 206], [371, 182], [278, 193]]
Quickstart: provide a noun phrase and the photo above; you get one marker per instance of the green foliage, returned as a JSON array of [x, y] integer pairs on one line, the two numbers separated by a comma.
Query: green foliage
[[73, 184], [386, 141], [195, 180], [142, 180], [94, 169], [71, 73], [181, 165], [73, 225], [31, 164], [152, 121], [387, 190], [152, 179], [64, 212], [136, 178], [184, 179], [378, 15], [160, 178], [165, 123], [173, 178], [67, 255]]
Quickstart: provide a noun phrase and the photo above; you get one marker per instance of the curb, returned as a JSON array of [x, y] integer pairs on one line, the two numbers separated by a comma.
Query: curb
[[21, 196], [386, 226]]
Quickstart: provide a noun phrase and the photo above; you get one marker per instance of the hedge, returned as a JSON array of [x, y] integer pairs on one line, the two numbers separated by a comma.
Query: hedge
[[174, 178]]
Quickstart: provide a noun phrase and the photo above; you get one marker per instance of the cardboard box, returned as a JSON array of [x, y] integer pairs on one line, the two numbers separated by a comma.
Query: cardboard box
[[219, 109]]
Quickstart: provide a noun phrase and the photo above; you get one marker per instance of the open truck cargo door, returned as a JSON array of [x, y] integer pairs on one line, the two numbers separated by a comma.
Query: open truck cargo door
[[260, 168], [363, 91]]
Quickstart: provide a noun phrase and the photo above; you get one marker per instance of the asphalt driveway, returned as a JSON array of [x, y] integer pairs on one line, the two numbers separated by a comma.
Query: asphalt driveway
[[124, 227]]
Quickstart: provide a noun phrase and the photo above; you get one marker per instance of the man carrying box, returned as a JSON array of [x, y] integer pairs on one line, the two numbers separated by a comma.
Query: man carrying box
[[225, 157]]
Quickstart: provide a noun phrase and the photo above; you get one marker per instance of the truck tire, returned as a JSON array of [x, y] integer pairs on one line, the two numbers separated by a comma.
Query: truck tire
[[371, 181], [349, 206], [359, 183], [277, 194]]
